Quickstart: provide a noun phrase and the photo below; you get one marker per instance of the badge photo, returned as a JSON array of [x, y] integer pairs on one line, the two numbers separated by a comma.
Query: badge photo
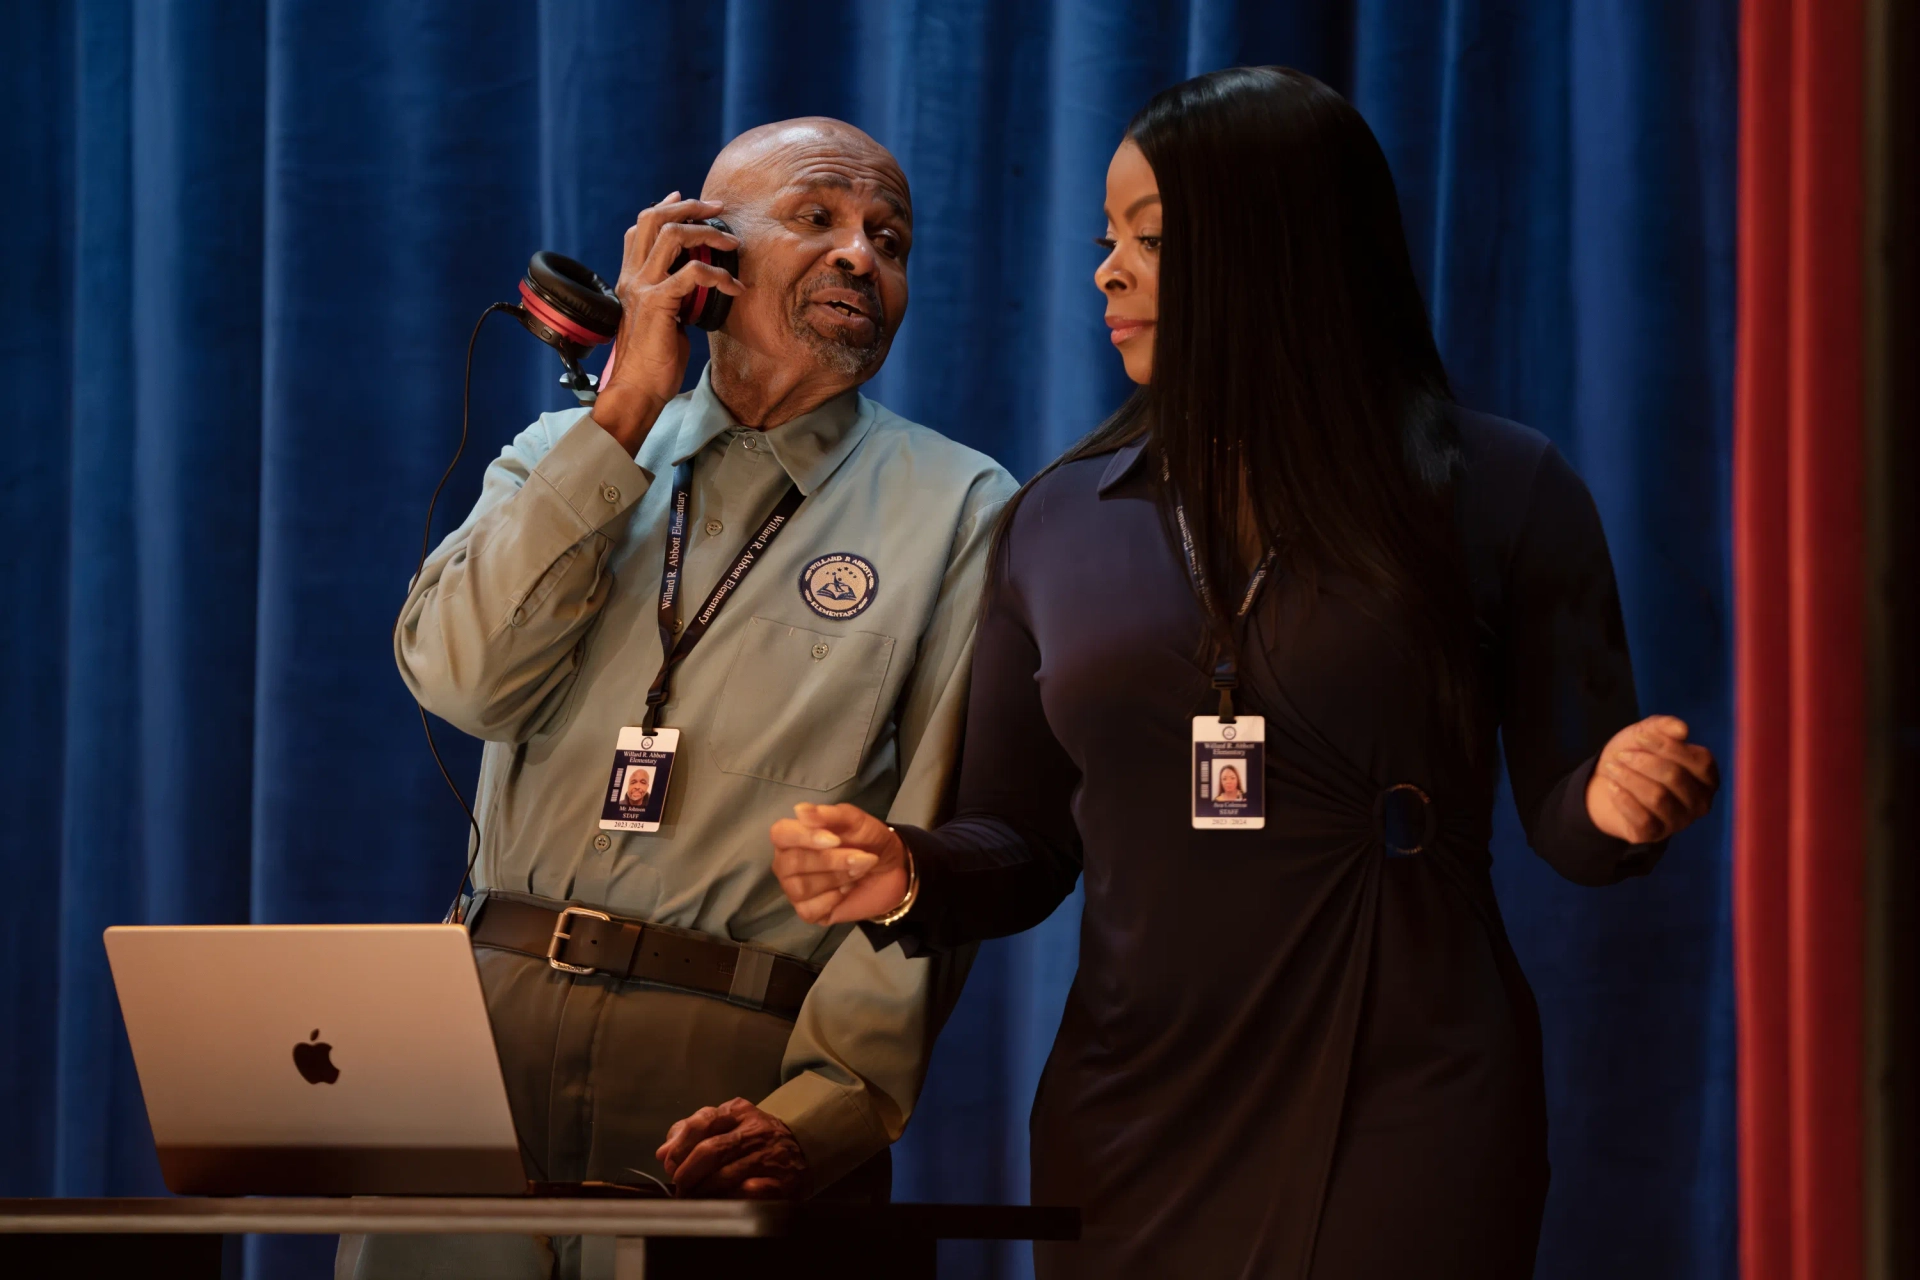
[[637, 791], [839, 585], [1229, 773]]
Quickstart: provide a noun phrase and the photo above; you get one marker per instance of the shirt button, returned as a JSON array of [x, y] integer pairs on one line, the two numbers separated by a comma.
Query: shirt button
[[603, 842], [749, 443], [819, 652], [611, 494], [713, 528]]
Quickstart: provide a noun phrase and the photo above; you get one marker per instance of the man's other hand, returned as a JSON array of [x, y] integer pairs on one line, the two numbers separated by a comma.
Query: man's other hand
[[734, 1150]]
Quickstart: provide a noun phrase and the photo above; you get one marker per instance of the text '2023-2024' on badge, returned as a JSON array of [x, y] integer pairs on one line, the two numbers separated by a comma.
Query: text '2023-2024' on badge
[[840, 585]]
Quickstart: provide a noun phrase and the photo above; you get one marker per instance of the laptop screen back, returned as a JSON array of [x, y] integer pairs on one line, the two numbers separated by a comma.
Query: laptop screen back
[[316, 1059]]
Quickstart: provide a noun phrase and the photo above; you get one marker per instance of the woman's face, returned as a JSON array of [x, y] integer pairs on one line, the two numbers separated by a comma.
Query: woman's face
[[1229, 781], [1130, 276]]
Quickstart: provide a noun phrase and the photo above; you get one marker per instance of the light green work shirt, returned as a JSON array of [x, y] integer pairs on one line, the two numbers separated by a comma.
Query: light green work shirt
[[535, 627]]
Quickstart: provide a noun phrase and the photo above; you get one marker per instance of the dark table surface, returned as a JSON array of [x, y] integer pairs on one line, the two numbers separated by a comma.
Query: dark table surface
[[532, 1216]]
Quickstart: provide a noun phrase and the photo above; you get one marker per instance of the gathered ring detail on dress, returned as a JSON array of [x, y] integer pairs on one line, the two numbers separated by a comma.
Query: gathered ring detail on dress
[[1406, 820]]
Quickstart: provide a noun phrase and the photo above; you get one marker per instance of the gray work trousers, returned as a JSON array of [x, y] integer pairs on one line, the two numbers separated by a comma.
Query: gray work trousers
[[597, 1071]]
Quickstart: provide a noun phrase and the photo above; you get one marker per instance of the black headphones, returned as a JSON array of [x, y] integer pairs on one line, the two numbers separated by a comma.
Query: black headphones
[[707, 308], [567, 306], [572, 310]]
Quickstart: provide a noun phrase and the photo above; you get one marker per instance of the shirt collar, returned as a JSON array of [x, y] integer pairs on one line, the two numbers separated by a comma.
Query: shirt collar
[[811, 447], [1124, 463]]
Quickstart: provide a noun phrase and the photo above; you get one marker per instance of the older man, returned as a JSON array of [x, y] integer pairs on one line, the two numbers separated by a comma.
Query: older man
[[806, 640]]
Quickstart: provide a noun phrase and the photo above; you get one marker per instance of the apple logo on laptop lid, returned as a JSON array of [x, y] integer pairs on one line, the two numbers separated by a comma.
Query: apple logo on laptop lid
[[313, 1057]]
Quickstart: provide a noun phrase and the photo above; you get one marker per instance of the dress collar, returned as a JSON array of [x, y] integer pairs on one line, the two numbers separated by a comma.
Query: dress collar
[[1124, 463], [811, 447]]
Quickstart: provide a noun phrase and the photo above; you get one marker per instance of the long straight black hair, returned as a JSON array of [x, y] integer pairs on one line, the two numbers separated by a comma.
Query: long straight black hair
[[1296, 384]]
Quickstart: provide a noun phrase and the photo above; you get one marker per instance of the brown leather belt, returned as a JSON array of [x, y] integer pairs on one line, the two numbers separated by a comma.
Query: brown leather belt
[[577, 939]]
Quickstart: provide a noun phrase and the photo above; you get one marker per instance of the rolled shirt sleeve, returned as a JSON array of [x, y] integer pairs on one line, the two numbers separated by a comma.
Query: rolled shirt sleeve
[[859, 1051]]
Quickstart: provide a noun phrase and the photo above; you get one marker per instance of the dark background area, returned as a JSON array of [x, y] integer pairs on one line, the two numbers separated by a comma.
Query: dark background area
[[250, 241], [1893, 522]]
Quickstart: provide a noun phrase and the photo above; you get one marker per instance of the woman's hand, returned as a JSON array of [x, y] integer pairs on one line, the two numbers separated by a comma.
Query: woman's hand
[[838, 863], [1651, 783]]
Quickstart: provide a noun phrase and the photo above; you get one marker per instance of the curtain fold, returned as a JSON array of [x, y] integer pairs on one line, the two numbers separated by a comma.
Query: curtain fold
[[253, 240], [1800, 579]]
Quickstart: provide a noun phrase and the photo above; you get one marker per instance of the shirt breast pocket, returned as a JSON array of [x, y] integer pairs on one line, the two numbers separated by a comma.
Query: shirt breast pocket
[[798, 705]]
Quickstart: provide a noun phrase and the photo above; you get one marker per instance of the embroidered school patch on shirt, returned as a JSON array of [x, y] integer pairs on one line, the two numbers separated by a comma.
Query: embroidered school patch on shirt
[[840, 585]]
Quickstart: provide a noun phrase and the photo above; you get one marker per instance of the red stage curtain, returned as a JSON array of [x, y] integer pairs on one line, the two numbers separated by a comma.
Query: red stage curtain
[[1799, 581]]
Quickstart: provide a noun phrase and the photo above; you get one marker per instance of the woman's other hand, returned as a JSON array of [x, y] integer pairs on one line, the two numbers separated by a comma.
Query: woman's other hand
[[838, 863], [1651, 783]]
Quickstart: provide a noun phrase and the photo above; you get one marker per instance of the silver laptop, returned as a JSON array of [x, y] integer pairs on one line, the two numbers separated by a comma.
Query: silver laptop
[[316, 1060]]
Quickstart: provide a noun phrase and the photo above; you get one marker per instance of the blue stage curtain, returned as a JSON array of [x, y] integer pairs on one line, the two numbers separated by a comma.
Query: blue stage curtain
[[248, 244]]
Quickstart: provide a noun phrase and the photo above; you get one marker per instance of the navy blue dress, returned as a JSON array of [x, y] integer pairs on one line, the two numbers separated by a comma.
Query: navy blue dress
[[1289, 1052]]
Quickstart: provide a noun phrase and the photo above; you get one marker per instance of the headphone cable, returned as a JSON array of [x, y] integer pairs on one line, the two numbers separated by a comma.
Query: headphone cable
[[454, 914]]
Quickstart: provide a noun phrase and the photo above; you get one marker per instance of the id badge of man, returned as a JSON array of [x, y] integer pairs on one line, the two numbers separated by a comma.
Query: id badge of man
[[1229, 773], [637, 791]]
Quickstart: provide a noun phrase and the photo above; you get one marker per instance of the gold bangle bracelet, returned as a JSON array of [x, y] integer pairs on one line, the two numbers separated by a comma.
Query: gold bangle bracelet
[[913, 889]]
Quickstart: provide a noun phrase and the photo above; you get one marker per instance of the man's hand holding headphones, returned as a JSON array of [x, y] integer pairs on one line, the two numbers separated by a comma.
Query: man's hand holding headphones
[[651, 353]]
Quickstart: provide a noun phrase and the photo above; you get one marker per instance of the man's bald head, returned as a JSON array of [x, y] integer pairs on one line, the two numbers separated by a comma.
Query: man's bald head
[[763, 160], [825, 223]]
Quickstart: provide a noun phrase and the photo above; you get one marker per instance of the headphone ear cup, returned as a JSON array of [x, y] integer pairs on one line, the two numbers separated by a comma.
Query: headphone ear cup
[[707, 308], [571, 299]]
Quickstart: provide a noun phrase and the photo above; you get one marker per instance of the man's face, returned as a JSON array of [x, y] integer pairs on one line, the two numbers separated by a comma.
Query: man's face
[[637, 789], [825, 227]]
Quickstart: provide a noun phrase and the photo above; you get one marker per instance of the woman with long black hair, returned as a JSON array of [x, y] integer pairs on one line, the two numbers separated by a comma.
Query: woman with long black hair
[[1298, 1043]]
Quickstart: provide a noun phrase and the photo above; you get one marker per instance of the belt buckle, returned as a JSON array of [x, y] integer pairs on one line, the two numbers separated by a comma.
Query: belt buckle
[[560, 936]]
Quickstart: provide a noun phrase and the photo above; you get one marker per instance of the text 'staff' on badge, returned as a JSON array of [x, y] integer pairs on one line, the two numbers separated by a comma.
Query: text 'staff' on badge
[[840, 585]]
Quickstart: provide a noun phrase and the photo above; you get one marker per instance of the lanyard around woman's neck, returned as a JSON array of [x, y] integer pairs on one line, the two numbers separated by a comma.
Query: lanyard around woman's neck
[[1226, 672]]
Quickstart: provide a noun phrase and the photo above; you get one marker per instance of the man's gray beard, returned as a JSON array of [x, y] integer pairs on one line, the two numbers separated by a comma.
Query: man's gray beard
[[842, 357]]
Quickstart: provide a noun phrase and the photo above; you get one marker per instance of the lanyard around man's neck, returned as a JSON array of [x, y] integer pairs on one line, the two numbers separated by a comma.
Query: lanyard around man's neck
[[674, 647]]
